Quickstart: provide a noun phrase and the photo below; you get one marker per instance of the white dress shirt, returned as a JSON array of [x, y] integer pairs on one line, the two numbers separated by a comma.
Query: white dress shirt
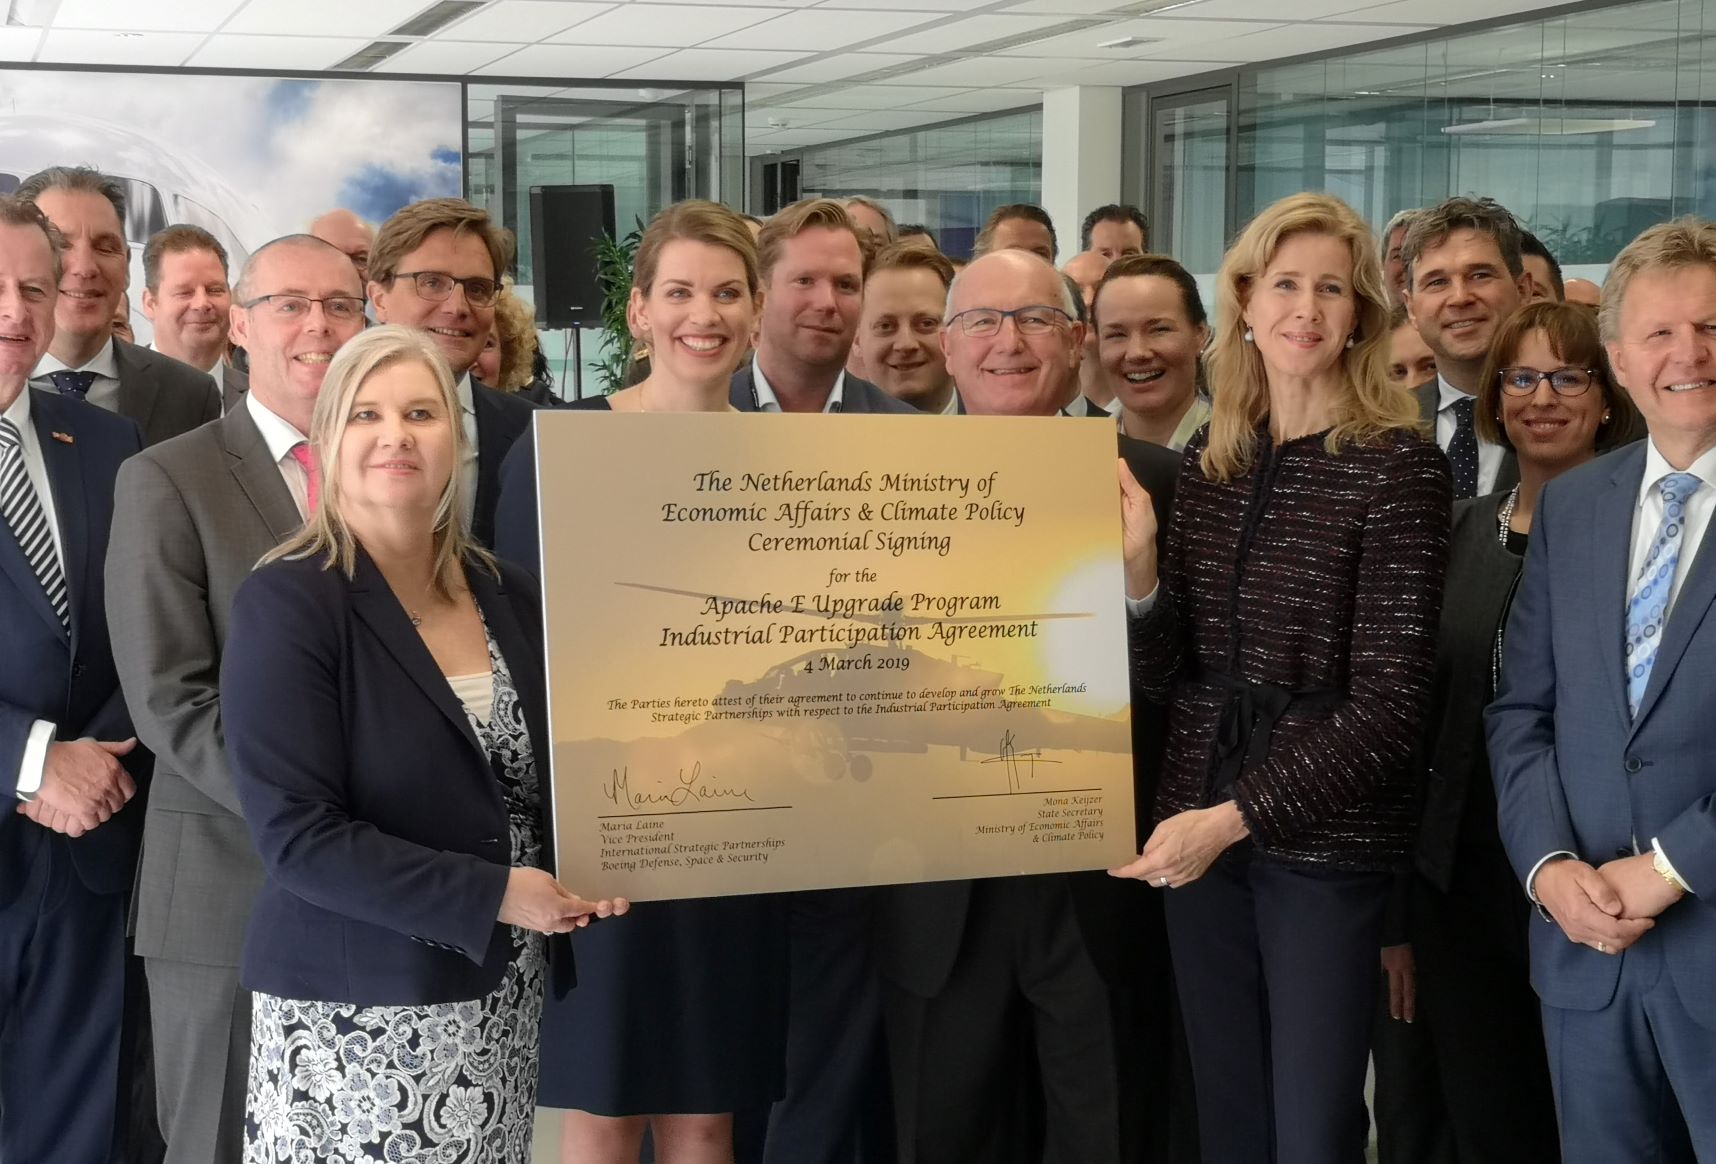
[[281, 438], [468, 466], [1489, 456], [767, 401], [1647, 521], [103, 390], [41, 731], [218, 372]]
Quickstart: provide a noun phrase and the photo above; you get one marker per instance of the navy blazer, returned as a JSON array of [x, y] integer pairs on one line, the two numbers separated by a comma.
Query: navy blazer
[[47, 674], [502, 417], [378, 817], [1573, 770]]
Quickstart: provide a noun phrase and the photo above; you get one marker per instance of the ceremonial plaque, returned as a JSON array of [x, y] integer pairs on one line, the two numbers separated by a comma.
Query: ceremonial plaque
[[799, 652]]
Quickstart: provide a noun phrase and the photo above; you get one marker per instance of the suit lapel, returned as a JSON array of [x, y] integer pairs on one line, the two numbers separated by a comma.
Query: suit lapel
[[137, 398], [380, 610], [64, 465], [740, 393], [259, 475], [1611, 532], [488, 465], [1697, 591]]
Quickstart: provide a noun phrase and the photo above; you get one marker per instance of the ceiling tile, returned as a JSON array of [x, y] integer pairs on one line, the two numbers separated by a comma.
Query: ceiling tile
[[748, 3], [445, 56], [763, 92], [1073, 7], [893, 96], [883, 120], [133, 16], [919, 5], [792, 139], [1269, 10], [368, 19], [1293, 39], [223, 51], [566, 60], [1059, 74], [19, 44], [823, 29], [672, 25], [1441, 12], [1159, 35], [524, 21], [837, 68], [75, 47], [974, 73], [965, 31], [702, 64]]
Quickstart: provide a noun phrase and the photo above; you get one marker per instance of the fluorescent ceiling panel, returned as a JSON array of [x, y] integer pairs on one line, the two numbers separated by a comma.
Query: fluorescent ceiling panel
[[702, 64], [362, 18], [1441, 12], [522, 21], [824, 29], [1545, 126], [671, 25], [138, 16], [75, 47], [978, 72], [222, 51], [1269, 10], [565, 60]]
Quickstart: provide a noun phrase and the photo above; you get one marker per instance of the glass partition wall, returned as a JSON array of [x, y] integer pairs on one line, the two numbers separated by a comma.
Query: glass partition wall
[[1589, 126], [655, 147]]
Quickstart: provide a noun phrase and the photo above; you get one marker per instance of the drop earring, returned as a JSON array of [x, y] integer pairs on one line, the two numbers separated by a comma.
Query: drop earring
[[1352, 341], [1247, 337]]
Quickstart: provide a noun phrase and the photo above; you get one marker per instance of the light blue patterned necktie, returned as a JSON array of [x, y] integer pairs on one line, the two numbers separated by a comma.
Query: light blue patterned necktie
[[1647, 609]]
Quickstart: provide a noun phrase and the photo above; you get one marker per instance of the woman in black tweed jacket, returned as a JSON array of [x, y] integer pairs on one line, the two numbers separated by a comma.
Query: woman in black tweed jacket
[[1292, 633]]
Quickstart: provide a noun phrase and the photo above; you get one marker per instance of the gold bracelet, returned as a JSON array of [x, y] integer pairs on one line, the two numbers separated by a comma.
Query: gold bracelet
[[1660, 864]]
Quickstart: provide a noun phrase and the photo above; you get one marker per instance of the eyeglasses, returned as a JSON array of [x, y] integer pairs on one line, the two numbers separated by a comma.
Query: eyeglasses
[[343, 308], [437, 285], [1564, 381], [979, 322]]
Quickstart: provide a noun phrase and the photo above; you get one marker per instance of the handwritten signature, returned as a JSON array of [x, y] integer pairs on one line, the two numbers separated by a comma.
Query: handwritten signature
[[692, 788], [1018, 765]]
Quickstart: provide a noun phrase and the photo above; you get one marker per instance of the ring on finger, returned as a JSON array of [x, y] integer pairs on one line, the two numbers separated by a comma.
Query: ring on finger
[[1602, 947], [1163, 883]]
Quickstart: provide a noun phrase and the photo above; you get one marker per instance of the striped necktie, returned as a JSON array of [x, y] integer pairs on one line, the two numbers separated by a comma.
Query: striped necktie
[[22, 511], [1647, 607]]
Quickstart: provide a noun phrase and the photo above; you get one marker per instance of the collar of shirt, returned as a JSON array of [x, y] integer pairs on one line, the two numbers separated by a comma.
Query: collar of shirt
[[105, 363], [1447, 394], [467, 397], [1657, 467], [951, 408], [18, 412], [218, 371], [767, 401], [277, 434]]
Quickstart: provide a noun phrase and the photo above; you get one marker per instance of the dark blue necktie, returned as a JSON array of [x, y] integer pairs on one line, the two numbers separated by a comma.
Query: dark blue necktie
[[72, 383], [1463, 449]]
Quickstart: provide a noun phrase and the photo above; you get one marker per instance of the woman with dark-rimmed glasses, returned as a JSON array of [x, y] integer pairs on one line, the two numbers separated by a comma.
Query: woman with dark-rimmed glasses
[[1545, 392]]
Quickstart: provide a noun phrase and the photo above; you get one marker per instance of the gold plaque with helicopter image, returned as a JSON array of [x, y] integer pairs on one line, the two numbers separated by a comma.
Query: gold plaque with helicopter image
[[792, 652]]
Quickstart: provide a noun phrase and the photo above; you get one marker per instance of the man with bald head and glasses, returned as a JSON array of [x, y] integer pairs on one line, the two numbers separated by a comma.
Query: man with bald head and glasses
[[437, 265], [191, 518], [979, 974]]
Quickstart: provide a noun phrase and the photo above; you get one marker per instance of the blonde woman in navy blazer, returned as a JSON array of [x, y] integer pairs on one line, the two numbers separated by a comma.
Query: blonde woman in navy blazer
[[382, 693]]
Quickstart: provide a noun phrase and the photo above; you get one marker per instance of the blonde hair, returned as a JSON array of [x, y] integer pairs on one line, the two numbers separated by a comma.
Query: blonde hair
[[807, 214], [699, 221], [515, 333], [326, 531], [1683, 242], [1369, 406]]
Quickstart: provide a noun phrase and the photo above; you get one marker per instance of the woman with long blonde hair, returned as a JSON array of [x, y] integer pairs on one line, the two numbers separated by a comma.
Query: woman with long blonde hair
[[383, 701], [1290, 626]]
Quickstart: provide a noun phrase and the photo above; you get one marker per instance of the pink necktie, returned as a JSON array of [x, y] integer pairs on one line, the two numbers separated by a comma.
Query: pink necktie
[[302, 453]]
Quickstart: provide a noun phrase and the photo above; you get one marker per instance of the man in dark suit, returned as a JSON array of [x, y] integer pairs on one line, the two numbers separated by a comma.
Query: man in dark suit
[[86, 359], [187, 296], [976, 972], [436, 265], [68, 843], [1464, 276], [1602, 733], [193, 517], [812, 262]]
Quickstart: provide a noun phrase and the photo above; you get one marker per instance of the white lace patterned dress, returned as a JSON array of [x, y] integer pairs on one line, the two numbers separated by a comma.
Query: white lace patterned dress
[[450, 1083]]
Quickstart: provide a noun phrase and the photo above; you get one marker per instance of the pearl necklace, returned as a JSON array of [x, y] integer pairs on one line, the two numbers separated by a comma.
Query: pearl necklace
[[1504, 519]]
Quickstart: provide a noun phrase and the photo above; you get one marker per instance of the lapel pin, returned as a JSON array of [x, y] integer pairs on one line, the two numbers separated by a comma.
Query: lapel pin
[[65, 438]]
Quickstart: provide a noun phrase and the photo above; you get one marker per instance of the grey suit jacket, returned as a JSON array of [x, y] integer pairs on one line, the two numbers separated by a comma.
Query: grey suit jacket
[[165, 397], [858, 395], [192, 518], [236, 382], [1429, 396]]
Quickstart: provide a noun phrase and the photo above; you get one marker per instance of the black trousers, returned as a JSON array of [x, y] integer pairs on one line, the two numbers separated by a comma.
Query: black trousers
[[1024, 1004], [1277, 973], [1476, 1002]]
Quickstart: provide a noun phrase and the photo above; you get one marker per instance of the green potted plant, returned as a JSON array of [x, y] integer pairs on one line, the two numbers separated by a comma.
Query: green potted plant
[[614, 259]]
